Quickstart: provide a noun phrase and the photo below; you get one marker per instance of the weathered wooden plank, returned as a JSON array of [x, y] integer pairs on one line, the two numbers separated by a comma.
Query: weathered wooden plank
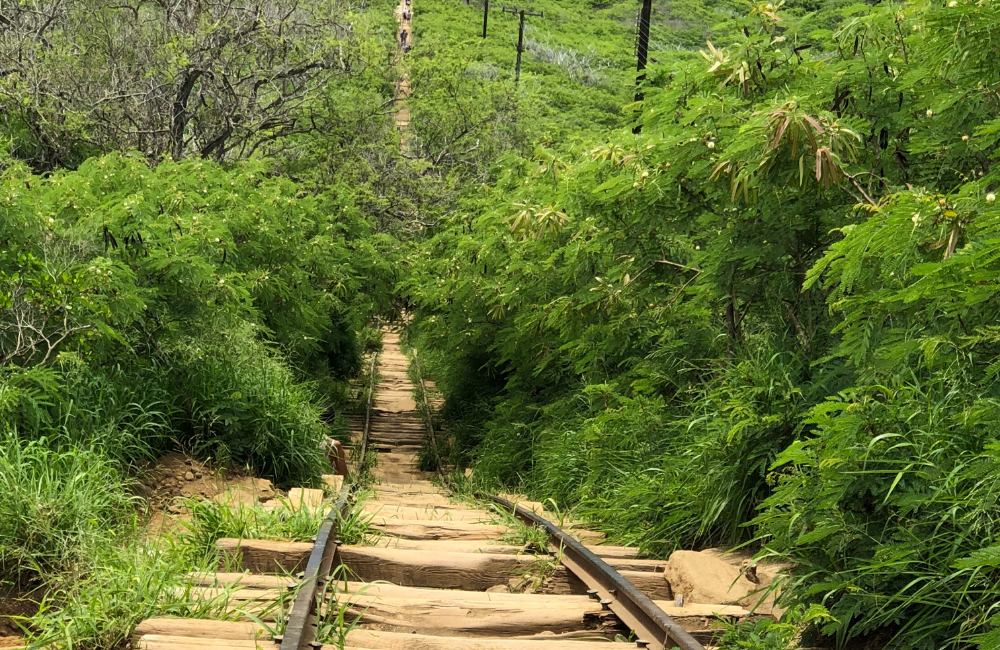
[[202, 628], [263, 556], [455, 546], [654, 585], [381, 513], [456, 615], [156, 641], [610, 550], [458, 530], [631, 564], [442, 570], [378, 640], [397, 591], [249, 580], [305, 498]]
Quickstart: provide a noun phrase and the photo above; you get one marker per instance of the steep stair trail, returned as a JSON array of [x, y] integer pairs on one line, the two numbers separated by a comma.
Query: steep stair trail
[[404, 17], [445, 574], [435, 573]]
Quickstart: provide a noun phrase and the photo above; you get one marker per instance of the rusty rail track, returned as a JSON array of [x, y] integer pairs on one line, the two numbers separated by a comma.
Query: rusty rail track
[[653, 627], [303, 620]]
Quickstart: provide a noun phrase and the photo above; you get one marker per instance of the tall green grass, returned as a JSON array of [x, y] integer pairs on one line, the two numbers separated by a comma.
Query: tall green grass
[[116, 587], [242, 405], [59, 507]]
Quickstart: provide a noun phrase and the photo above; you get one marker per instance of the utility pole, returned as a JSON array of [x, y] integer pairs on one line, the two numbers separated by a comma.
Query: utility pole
[[486, 15], [642, 50], [520, 36]]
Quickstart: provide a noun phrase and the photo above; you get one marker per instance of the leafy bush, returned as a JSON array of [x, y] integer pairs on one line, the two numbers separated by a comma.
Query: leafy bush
[[765, 317], [888, 512], [245, 408], [151, 306], [118, 586]]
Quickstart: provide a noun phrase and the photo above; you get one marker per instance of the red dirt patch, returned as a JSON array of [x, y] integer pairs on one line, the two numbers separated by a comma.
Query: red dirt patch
[[14, 605], [176, 477]]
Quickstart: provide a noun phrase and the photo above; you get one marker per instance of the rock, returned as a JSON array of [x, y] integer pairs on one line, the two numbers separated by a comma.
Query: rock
[[707, 579], [760, 572], [198, 475], [188, 476], [333, 481], [498, 589], [237, 497]]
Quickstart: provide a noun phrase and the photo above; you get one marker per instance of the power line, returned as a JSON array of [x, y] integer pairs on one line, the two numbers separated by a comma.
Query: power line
[[520, 36]]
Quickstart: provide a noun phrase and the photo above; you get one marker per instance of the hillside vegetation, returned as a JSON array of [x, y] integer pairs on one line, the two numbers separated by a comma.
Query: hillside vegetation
[[764, 317]]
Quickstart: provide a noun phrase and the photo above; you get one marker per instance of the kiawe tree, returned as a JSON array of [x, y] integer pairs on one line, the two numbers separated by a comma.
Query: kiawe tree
[[212, 78]]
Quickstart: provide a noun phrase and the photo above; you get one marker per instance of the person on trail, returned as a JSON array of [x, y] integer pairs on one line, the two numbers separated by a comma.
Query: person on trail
[[402, 38], [335, 454], [407, 15]]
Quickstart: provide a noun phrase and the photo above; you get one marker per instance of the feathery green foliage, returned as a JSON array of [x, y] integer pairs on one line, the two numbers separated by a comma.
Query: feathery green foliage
[[766, 318]]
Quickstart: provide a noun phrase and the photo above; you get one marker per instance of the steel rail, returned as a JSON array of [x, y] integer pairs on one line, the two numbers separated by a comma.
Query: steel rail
[[363, 454], [303, 620], [654, 628], [428, 414]]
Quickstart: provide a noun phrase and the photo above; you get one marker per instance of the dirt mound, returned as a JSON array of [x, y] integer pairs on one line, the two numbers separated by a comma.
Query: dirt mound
[[15, 605], [176, 477]]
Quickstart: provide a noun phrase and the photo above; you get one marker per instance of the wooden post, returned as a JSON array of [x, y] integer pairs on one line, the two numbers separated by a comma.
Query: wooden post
[[520, 47], [642, 51], [486, 15]]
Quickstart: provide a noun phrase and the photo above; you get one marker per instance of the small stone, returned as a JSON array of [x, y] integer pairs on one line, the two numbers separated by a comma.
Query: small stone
[[198, 475], [188, 476]]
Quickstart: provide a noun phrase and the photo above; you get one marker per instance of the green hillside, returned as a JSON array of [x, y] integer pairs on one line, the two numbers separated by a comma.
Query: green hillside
[[755, 309]]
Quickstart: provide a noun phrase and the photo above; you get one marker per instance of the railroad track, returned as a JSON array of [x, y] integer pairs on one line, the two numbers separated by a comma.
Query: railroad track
[[434, 573]]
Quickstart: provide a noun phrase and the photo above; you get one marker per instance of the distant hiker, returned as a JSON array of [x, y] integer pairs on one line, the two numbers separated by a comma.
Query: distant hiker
[[402, 38], [407, 3], [406, 14]]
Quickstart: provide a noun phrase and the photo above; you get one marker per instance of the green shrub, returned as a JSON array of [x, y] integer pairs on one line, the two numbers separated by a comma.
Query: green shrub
[[244, 407], [889, 513]]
